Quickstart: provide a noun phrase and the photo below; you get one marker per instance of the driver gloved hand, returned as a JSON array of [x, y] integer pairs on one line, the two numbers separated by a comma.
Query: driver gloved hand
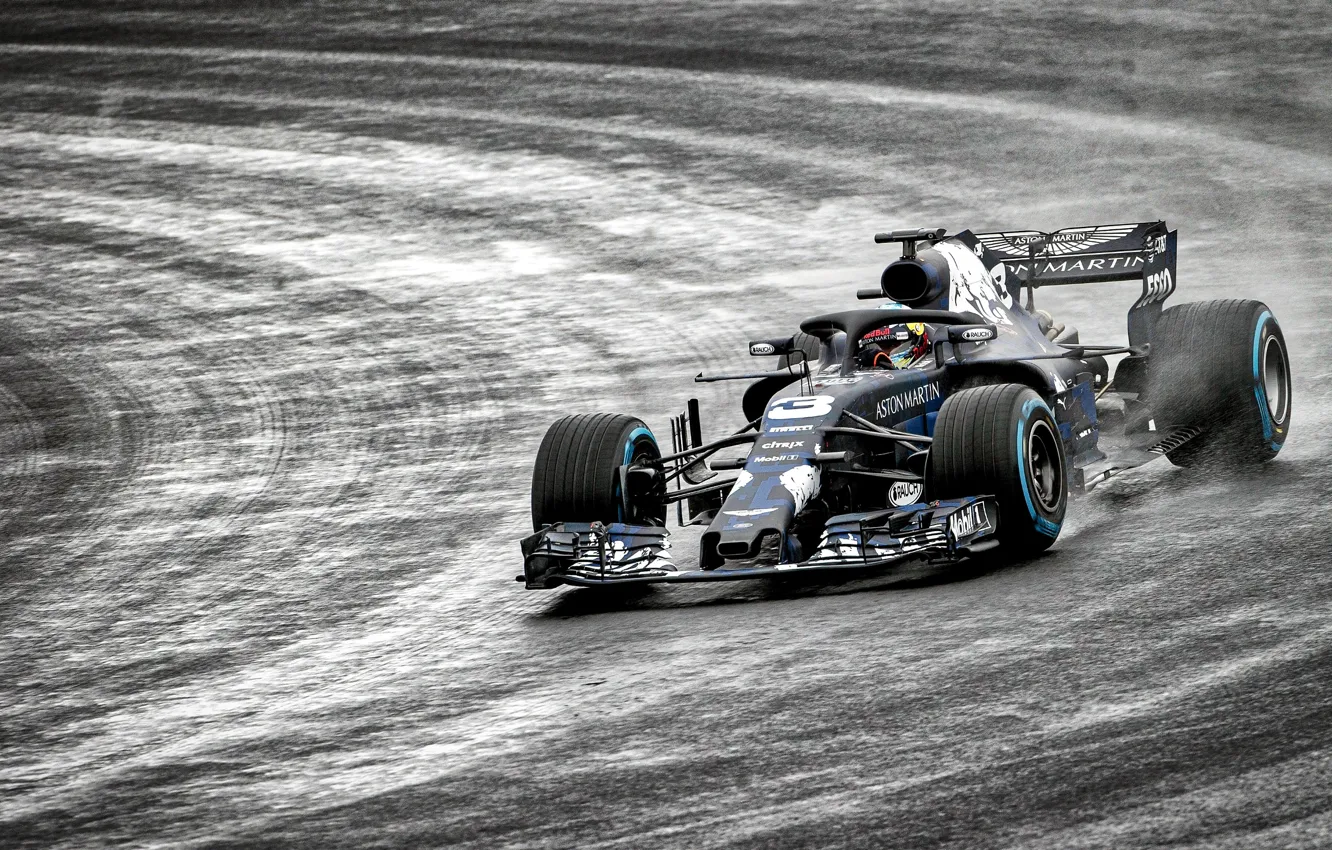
[[874, 357]]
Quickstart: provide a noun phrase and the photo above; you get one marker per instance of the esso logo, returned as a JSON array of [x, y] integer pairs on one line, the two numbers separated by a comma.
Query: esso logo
[[757, 348], [1159, 284], [1156, 287], [801, 407], [977, 334]]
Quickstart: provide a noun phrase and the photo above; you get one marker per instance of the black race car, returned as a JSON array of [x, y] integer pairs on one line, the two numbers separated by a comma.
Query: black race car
[[954, 423]]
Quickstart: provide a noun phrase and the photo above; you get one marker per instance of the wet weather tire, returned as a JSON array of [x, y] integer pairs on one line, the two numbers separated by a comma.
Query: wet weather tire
[[576, 478], [1002, 440], [1221, 367]]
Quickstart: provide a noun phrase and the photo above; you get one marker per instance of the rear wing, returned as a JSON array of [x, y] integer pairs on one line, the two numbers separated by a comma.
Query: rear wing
[[1103, 252]]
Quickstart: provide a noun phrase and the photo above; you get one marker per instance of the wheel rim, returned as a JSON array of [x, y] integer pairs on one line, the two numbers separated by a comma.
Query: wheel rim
[[1043, 467], [1274, 376]]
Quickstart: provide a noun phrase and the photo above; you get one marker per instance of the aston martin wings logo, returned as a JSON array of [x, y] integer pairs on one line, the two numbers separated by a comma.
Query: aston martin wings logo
[[1074, 240]]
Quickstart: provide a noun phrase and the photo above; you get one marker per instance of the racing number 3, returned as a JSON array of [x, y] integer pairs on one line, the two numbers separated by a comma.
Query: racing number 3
[[801, 407]]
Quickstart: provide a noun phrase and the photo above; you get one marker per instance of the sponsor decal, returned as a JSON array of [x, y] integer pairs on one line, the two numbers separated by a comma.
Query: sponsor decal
[[903, 401], [1057, 243], [968, 520], [828, 382], [977, 334], [787, 429], [757, 348], [741, 525], [1079, 236], [802, 482], [801, 407], [750, 512], [1026, 239], [881, 334], [1156, 287], [1097, 264], [905, 493], [781, 444], [1157, 245], [774, 458]]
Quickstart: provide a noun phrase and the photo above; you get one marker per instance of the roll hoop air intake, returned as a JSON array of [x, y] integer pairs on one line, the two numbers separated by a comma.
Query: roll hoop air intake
[[918, 279]]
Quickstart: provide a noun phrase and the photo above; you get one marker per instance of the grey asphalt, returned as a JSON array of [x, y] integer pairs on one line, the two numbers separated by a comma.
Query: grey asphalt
[[288, 297]]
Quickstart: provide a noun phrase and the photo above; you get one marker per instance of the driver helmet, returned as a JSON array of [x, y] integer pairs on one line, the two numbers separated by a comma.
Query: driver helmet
[[894, 346]]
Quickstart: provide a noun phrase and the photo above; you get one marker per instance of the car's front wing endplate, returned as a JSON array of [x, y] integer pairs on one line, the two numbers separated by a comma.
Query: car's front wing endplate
[[593, 554]]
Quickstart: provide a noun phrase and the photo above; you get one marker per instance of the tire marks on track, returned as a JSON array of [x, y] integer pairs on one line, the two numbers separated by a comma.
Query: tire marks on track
[[339, 433], [343, 337]]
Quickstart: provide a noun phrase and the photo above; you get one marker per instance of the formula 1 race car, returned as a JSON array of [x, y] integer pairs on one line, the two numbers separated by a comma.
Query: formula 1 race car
[[954, 423]]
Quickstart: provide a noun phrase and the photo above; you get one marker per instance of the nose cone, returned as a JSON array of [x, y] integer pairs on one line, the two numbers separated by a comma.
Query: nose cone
[[763, 502]]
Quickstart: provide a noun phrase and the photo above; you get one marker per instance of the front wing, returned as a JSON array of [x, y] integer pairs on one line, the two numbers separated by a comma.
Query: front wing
[[597, 555]]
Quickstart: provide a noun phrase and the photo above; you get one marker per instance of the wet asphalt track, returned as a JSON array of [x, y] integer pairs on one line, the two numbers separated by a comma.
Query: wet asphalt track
[[288, 299]]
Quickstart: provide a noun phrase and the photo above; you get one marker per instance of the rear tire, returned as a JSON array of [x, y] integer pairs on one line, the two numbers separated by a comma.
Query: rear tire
[[1221, 367], [575, 477], [1002, 440]]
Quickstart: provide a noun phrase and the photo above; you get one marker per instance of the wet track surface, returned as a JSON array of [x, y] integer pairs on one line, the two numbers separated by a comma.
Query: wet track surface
[[283, 319]]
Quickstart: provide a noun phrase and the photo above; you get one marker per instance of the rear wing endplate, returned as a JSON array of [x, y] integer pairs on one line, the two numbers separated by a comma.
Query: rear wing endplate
[[1103, 252]]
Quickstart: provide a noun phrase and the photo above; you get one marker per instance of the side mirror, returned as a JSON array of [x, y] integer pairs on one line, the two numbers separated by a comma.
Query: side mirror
[[971, 333], [764, 347]]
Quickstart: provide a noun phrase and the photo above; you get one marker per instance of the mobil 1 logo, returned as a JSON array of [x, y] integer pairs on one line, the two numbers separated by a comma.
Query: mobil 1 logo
[[969, 520]]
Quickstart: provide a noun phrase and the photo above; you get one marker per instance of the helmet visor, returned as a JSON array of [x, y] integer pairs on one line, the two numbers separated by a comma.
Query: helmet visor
[[909, 344], [903, 344]]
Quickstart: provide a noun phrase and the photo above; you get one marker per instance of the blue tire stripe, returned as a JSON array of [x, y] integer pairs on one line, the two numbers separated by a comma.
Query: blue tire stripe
[[1258, 392], [1043, 525], [633, 437], [628, 456]]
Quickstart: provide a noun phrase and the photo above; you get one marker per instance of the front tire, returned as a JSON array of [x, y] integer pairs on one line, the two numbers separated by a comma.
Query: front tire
[[576, 476], [1002, 440], [1221, 367]]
